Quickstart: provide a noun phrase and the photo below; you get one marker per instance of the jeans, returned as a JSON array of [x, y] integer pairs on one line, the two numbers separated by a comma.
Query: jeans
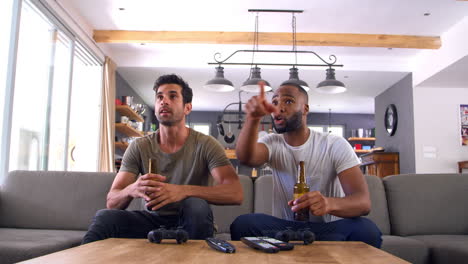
[[348, 229], [195, 217]]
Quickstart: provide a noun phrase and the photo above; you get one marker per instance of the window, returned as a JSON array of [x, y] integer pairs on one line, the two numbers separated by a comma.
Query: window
[[204, 128], [6, 11], [84, 140], [334, 130], [6, 8], [57, 96], [29, 141]]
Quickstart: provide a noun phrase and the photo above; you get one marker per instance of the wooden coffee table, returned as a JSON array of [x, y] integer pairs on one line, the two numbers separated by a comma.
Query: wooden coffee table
[[118, 250]]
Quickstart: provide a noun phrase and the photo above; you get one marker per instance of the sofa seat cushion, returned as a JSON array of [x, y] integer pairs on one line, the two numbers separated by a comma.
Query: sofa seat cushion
[[446, 248], [409, 249], [18, 244]]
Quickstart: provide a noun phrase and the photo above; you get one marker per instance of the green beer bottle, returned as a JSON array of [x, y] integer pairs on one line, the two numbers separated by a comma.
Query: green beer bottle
[[301, 188]]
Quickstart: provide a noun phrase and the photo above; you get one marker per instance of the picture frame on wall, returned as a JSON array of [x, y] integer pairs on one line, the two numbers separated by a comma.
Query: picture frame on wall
[[464, 124]]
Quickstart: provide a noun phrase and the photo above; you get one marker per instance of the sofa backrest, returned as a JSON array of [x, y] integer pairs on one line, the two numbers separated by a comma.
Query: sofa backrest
[[224, 215], [427, 204], [53, 199], [379, 208], [263, 194]]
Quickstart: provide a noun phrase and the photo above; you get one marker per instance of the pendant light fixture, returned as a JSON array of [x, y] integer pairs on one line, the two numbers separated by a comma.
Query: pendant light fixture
[[219, 83], [330, 85], [294, 72], [251, 84], [294, 79]]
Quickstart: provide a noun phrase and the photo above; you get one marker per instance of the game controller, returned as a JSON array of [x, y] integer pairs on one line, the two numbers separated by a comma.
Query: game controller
[[300, 235], [179, 234]]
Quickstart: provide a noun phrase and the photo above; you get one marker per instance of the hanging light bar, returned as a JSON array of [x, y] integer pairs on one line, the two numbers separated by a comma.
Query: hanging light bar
[[330, 85]]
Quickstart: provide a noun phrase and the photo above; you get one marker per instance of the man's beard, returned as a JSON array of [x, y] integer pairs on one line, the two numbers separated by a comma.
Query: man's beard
[[168, 122], [292, 124]]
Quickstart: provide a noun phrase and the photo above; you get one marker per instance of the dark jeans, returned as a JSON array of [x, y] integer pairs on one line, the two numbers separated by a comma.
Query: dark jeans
[[195, 217], [348, 229]]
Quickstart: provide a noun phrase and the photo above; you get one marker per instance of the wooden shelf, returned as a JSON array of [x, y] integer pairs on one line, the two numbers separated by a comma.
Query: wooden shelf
[[121, 145], [128, 130], [126, 110], [361, 139], [363, 150], [231, 153]]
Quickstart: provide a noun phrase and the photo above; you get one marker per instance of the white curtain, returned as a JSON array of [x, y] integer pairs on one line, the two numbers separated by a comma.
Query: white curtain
[[106, 157]]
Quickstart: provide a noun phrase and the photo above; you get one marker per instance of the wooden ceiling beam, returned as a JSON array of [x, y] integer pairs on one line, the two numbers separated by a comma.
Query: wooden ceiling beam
[[268, 38]]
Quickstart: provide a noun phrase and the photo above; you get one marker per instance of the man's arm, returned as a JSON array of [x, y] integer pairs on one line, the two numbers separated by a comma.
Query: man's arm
[[355, 203], [248, 151], [126, 187], [227, 191]]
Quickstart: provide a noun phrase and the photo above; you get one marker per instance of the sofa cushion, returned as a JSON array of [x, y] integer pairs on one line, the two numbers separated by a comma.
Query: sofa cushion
[[53, 199], [409, 249], [224, 215], [263, 195], [446, 248], [17, 244], [427, 204], [379, 209]]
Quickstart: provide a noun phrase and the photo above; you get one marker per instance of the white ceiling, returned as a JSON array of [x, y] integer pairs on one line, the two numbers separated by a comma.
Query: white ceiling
[[367, 71]]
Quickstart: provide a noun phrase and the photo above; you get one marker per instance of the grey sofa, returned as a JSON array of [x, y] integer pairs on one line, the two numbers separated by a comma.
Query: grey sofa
[[422, 217]]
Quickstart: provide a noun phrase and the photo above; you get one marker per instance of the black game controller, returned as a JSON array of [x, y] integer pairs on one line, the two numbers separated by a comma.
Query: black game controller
[[300, 235], [179, 234]]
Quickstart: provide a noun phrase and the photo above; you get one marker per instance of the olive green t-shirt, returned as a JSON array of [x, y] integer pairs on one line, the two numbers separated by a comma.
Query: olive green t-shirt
[[190, 165]]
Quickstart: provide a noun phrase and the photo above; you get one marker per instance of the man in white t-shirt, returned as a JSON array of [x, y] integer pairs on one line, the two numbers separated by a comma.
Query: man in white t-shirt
[[338, 191]]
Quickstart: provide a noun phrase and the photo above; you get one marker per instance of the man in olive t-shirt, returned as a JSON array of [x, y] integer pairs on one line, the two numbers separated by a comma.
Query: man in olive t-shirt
[[175, 189]]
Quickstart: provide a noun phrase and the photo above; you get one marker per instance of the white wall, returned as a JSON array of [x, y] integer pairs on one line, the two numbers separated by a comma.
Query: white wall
[[437, 129], [454, 47]]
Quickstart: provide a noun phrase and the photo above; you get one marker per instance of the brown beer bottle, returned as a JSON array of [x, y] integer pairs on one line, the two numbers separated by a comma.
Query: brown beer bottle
[[301, 188]]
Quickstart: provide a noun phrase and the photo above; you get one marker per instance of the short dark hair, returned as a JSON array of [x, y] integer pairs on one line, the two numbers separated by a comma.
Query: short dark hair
[[187, 93], [302, 90]]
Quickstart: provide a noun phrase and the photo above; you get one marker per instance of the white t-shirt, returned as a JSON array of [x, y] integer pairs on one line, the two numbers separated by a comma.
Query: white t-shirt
[[324, 155]]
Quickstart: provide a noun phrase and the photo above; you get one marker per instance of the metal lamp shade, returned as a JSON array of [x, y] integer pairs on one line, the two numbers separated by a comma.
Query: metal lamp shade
[[251, 84], [294, 78], [219, 83], [331, 85]]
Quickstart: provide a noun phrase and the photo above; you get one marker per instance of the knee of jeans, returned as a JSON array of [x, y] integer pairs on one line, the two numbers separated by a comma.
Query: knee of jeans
[[241, 222], [105, 215], [195, 206], [368, 232]]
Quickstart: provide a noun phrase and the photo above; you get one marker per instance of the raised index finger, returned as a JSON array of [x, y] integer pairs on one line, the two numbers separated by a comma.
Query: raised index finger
[[261, 84]]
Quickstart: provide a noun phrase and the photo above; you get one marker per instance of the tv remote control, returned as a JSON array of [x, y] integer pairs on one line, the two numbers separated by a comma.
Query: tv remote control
[[280, 244], [257, 243], [220, 245]]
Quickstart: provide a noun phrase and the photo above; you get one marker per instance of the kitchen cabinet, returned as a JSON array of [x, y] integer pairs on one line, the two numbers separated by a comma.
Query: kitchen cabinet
[[381, 164]]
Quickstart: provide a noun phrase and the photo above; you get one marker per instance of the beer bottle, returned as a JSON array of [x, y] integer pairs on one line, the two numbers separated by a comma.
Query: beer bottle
[[301, 188]]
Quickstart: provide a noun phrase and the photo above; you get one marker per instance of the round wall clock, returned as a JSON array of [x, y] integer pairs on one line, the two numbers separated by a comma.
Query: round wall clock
[[391, 119]]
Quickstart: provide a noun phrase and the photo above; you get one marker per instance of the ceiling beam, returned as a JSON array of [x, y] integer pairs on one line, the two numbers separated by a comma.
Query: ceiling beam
[[268, 38]]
